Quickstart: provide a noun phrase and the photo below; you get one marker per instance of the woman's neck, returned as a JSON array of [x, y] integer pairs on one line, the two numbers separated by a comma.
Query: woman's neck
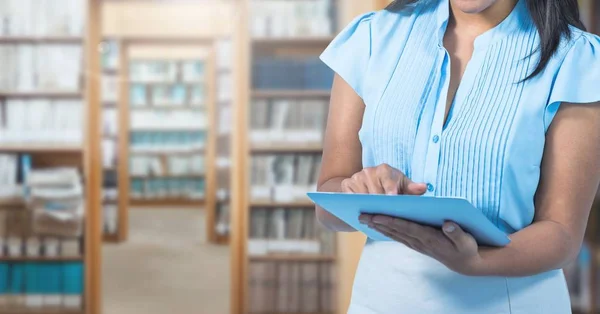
[[478, 23]]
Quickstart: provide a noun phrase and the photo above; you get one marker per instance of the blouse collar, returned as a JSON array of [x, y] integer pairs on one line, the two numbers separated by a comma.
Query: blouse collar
[[518, 19]]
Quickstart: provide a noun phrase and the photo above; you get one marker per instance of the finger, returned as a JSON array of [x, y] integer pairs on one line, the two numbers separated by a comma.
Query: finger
[[456, 235], [390, 187], [409, 187], [357, 185], [374, 185], [365, 219]]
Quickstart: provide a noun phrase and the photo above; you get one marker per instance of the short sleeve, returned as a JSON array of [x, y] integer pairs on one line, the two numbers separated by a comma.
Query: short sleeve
[[349, 53], [578, 79]]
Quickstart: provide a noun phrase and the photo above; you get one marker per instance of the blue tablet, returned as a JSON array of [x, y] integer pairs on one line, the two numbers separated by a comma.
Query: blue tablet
[[432, 211]]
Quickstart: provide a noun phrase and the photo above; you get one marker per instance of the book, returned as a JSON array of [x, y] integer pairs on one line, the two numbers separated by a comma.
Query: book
[[72, 284]]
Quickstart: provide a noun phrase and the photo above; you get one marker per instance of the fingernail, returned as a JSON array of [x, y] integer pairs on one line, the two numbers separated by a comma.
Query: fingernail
[[449, 228]]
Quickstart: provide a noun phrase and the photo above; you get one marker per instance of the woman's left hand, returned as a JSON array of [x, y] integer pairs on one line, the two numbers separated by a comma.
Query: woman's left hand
[[451, 246]]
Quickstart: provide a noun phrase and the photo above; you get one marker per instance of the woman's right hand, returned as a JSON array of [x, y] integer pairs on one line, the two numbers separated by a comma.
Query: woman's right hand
[[382, 179]]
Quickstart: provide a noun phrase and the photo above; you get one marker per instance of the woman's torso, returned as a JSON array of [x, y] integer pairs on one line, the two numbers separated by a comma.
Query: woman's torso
[[489, 151]]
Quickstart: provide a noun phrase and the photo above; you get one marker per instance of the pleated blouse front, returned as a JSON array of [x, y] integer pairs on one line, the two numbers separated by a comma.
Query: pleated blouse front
[[488, 151]]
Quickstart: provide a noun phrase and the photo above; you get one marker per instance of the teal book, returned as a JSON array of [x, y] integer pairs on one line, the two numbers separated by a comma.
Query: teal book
[[72, 284], [16, 286], [33, 291], [4, 284], [51, 280]]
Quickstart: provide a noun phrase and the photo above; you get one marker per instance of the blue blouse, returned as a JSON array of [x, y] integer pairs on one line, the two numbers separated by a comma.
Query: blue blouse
[[490, 149]]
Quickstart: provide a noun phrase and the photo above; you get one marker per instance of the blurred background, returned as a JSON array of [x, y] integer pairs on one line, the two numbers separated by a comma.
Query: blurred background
[[155, 155]]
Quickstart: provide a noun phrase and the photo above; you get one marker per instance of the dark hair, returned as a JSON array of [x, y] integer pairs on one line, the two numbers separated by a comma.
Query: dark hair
[[551, 17]]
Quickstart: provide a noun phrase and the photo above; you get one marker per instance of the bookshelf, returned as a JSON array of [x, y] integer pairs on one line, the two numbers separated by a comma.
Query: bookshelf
[[282, 96], [218, 221], [170, 124], [114, 205], [42, 129]]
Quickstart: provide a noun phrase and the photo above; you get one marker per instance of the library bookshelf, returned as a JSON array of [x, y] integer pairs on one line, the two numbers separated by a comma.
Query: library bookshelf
[[84, 155], [115, 201], [253, 143], [194, 97]]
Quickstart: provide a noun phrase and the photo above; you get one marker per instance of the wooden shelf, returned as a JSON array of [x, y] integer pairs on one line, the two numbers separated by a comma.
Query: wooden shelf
[[169, 176], [274, 149], [167, 153], [41, 40], [134, 82], [292, 258], [40, 259], [40, 311], [42, 94], [110, 238], [272, 204], [166, 202], [257, 93], [12, 202], [41, 148], [168, 107], [159, 129], [293, 41]]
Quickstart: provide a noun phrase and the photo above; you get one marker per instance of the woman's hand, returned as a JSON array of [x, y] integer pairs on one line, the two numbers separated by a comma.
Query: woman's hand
[[382, 179], [451, 246]]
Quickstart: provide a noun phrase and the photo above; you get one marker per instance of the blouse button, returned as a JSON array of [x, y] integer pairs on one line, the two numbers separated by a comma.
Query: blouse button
[[436, 139], [430, 187]]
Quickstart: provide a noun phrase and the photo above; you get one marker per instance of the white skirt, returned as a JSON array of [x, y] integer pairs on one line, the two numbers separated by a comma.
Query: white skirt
[[393, 279]]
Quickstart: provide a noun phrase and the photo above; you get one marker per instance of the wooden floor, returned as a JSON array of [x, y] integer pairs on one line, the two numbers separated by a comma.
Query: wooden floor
[[166, 267]]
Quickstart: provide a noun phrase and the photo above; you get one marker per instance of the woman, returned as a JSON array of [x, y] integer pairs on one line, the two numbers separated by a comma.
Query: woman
[[495, 101]]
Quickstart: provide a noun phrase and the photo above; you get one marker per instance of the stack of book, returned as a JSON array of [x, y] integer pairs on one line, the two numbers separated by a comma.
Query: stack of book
[[283, 177], [288, 231], [56, 202], [41, 258], [167, 142], [288, 121], [168, 188], [161, 166], [291, 73], [291, 287], [302, 18]]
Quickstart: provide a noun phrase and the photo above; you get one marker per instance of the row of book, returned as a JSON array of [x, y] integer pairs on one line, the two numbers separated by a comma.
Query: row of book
[[40, 67], [42, 17], [167, 71], [42, 121], [285, 121], [27, 68], [171, 95], [167, 142], [169, 120], [155, 188], [291, 73], [174, 165], [28, 286], [291, 287], [288, 231], [302, 18], [283, 177]]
